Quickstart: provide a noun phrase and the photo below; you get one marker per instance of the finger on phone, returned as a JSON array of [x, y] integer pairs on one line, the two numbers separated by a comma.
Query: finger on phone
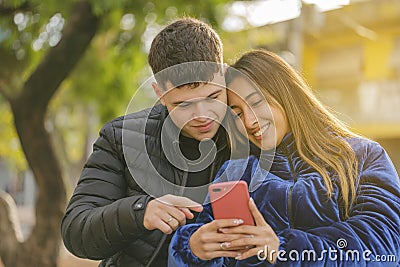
[[248, 243], [219, 237], [223, 223], [241, 248], [238, 229], [226, 246], [258, 218]]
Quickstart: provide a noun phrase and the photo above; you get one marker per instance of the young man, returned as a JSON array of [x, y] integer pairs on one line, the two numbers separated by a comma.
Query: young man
[[118, 213]]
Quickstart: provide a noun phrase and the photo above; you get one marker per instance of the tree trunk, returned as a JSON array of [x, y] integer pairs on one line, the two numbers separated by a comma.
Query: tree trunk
[[29, 109], [41, 248], [10, 230]]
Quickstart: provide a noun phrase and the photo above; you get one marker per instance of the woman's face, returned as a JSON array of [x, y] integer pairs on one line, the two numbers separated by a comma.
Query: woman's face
[[264, 125]]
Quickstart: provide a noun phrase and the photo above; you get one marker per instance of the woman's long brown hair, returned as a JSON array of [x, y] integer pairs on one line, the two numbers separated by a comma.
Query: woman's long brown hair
[[320, 137]]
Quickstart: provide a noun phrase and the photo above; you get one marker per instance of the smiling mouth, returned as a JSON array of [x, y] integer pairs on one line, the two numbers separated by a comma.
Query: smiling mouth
[[262, 130]]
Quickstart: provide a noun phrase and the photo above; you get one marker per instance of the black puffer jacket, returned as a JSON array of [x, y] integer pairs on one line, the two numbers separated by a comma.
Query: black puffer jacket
[[104, 218]]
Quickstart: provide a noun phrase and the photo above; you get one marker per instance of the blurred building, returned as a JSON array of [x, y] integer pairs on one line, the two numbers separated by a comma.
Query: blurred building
[[351, 58]]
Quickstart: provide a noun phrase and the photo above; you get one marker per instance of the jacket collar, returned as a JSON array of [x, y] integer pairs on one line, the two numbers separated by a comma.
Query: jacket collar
[[170, 134], [286, 147]]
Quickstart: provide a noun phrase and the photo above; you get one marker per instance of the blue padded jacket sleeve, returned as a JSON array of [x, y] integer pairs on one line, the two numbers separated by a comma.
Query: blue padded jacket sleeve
[[370, 235], [180, 254]]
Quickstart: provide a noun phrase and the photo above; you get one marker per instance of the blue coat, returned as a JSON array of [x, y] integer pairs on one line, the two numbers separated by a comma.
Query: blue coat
[[311, 227]]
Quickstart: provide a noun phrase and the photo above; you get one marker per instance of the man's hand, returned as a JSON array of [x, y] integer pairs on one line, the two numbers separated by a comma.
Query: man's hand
[[168, 212]]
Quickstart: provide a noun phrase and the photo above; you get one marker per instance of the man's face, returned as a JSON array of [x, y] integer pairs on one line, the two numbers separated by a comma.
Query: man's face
[[197, 111]]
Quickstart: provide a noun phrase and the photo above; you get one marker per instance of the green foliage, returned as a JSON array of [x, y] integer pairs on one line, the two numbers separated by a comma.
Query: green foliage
[[110, 71], [10, 149], [20, 30], [12, 3], [114, 65]]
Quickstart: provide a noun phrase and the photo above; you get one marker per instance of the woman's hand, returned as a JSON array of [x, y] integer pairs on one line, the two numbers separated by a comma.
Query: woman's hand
[[262, 236], [208, 242]]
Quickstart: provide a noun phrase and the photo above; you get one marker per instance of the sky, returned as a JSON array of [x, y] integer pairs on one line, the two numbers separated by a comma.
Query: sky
[[261, 12]]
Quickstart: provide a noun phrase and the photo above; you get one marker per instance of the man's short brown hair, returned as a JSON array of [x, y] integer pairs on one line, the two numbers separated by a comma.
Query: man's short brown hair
[[184, 40]]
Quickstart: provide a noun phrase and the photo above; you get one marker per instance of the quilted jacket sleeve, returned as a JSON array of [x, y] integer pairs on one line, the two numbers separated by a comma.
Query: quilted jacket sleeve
[[371, 232], [100, 219]]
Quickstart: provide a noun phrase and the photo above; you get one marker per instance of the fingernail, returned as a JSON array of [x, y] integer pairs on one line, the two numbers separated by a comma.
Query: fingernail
[[238, 221], [238, 256], [252, 200], [251, 236], [223, 230]]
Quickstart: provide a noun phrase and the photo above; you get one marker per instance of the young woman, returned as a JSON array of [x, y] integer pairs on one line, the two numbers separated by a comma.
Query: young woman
[[328, 196]]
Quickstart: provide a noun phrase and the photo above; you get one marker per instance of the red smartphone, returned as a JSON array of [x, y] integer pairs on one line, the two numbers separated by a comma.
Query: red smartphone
[[230, 200]]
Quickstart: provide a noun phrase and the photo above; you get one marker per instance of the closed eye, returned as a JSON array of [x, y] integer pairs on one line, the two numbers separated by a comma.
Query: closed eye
[[211, 98], [237, 114], [257, 103], [184, 104]]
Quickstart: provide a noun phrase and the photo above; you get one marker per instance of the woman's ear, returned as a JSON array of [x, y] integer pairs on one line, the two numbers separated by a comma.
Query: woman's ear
[[159, 92]]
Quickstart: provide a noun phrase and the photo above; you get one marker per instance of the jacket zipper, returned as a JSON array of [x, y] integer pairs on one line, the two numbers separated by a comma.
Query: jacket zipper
[[157, 250], [212, 174], [164, 237], [290, 194]]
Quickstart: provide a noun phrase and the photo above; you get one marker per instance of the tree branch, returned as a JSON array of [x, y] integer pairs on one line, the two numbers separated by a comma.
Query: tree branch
[[3, 91], [61, 59], [6, 11]]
